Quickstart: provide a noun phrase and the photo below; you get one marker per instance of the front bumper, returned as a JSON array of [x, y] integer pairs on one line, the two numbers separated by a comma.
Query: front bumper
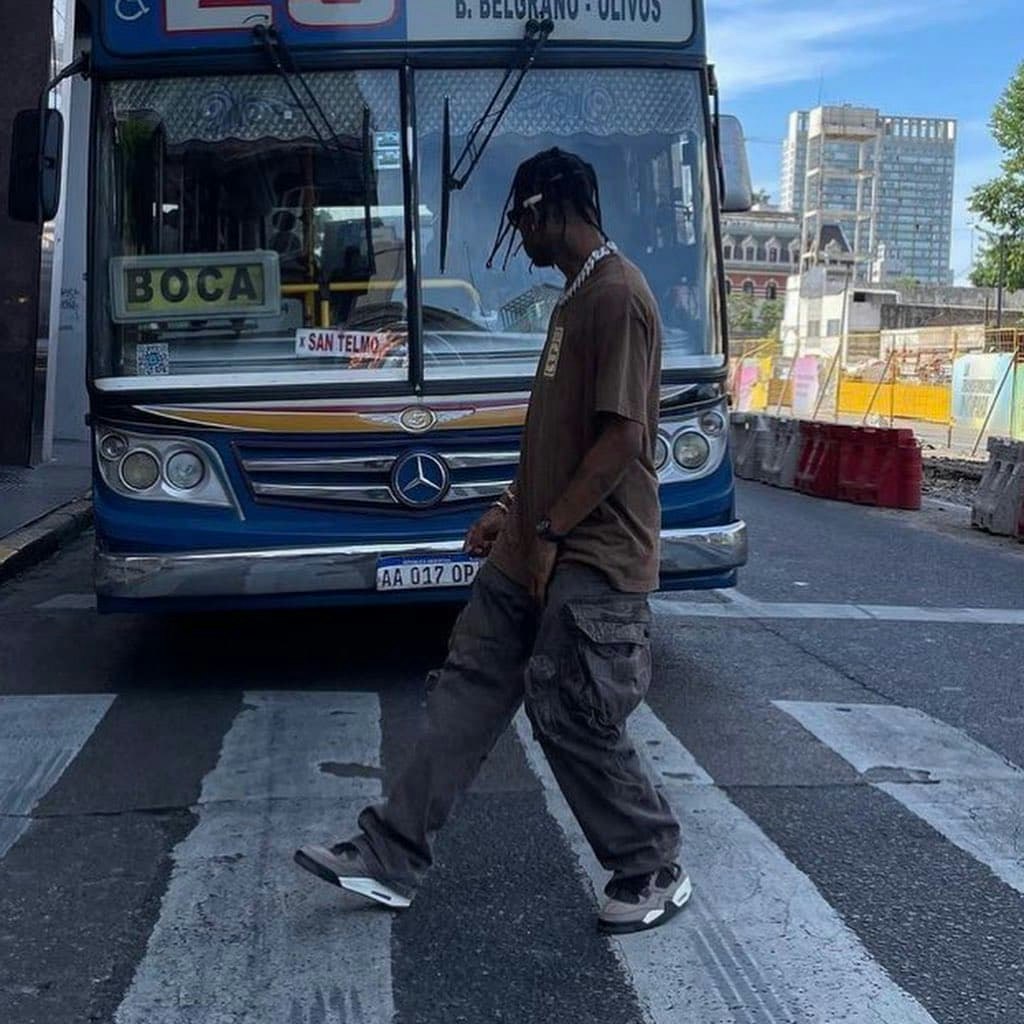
[[352, 569]]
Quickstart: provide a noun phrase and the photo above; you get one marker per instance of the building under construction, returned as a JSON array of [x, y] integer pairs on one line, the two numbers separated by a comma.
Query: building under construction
[[885, 181]]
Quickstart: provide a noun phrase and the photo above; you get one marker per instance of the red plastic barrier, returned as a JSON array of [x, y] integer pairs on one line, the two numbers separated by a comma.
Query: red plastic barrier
[[911, 471], [817, 471], [880, 467]]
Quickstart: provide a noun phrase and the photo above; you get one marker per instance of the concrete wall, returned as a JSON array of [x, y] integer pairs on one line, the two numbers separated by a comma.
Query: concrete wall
[[24, 56], [908, 316], [974, 298]]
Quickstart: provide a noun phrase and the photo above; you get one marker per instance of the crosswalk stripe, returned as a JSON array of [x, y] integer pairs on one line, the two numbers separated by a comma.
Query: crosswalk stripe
[[759, 943], [966, 792], [242, 933], [39, 738], [741, 607]]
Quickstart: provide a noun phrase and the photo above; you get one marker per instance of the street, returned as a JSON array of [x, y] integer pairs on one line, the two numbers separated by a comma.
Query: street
[[840, 738]]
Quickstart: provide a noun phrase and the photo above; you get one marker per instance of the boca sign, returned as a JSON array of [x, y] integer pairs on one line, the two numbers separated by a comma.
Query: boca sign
[[195, 286], [137, 27]]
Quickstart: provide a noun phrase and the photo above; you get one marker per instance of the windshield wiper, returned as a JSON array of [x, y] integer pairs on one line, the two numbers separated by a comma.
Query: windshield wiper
[[326, 136], [456, 176], [369, 191]]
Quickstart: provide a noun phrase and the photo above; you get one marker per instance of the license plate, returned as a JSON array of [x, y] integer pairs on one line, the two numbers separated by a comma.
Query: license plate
[[430, 573]]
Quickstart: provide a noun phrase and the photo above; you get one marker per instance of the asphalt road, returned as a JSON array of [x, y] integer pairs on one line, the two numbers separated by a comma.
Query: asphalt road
[[841, 739]]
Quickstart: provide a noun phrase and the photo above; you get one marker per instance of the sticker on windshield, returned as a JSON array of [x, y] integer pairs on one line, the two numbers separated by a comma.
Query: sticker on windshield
[[195, 286], [360, 348], [153, 360], [387, 151]]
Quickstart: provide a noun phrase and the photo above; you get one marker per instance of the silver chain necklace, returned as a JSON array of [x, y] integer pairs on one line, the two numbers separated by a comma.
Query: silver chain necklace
[[585, 271]]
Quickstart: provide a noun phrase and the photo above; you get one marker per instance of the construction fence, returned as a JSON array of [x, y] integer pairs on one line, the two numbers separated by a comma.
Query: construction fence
[[956, 385]]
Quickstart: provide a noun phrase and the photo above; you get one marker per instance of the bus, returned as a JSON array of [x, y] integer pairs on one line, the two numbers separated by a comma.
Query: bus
[[306, 375]]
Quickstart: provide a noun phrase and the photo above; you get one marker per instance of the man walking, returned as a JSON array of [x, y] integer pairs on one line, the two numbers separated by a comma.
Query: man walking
[[558, 615]]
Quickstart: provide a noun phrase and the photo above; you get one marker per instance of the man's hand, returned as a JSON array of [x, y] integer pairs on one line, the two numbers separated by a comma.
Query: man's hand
[[484, 532], [542, 568], [619, 443]]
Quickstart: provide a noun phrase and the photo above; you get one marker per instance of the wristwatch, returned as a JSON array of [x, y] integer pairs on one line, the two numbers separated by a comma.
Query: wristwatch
[[545, 532]]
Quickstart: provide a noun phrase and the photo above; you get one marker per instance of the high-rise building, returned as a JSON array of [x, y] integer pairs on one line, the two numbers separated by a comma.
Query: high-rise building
[[886, 180], [794, 162]]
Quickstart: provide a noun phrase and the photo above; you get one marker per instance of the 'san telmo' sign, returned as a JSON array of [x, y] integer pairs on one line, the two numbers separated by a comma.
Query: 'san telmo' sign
[[153, 26]]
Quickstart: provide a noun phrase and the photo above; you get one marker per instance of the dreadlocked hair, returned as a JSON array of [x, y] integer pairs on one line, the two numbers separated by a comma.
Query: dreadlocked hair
[[562, 179]]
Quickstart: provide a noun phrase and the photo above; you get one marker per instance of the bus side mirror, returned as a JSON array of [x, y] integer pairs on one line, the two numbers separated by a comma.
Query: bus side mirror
[[37, 149], [737, 192]]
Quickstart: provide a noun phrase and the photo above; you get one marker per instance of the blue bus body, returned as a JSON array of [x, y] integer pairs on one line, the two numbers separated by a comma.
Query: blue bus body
[[266, 356]]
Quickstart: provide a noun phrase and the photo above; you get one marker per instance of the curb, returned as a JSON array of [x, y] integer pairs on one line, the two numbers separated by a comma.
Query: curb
[[36, 542]]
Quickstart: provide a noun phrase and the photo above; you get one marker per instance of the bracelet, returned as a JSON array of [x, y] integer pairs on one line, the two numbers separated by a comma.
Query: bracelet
[[501, 504]]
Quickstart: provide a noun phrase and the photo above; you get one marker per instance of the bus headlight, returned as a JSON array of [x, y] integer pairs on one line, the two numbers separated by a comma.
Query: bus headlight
[[185, 470], [713, 424], [660, 453], [691, 450], [147, 466], [140, 470], [113, 446]]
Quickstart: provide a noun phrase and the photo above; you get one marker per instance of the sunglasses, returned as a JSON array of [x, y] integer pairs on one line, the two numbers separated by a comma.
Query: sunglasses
[[516, 214]]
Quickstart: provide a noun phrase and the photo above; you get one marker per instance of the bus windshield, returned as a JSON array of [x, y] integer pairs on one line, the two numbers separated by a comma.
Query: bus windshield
[[242, 238], [243, 245], [644, 133]]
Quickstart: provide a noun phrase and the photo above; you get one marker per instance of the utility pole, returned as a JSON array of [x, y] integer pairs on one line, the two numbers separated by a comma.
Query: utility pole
[[1001, 281]]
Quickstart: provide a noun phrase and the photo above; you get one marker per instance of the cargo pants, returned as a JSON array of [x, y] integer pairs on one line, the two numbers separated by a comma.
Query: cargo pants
[[582, 665]]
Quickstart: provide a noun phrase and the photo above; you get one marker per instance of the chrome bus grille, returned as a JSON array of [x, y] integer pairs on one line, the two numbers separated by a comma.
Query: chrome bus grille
[[294, 476]]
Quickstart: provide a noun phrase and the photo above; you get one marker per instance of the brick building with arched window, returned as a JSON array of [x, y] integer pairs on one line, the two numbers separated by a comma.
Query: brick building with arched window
[[761, 249]]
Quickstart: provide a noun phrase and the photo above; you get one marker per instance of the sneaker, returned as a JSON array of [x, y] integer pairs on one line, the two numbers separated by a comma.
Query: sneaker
[[644, 901], [343, 865]]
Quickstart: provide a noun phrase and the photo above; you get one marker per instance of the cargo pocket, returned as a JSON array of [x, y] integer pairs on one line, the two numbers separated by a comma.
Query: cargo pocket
[[541, 696], [611, 662]]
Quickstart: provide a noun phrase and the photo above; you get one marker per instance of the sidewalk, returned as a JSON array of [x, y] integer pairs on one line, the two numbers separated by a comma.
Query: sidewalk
[[44, 507]]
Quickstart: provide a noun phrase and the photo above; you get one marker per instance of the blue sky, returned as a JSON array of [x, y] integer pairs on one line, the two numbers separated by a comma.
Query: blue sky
[[927, 58]]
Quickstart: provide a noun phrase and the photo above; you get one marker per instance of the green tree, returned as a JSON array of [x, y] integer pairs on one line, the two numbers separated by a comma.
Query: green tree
[[751, 317], [1000, 202], [742, 312], [771, 316], [761, 198]]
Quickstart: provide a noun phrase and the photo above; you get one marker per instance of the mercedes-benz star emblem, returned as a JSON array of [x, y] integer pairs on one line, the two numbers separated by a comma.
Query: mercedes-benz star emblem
[[420, 480]]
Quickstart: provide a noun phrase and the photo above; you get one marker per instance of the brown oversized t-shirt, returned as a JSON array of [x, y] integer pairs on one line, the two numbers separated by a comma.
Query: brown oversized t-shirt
[[603, 355]]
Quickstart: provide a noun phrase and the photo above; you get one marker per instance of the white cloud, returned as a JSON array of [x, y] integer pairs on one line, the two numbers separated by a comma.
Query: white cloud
[[760, 43], [757, 43]]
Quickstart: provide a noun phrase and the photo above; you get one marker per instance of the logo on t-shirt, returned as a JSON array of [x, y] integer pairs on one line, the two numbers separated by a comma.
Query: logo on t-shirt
[[554, 351]]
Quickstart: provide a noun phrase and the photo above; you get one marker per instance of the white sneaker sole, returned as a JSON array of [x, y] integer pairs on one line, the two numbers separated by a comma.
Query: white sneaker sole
[[371, 889], [316, 862]]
